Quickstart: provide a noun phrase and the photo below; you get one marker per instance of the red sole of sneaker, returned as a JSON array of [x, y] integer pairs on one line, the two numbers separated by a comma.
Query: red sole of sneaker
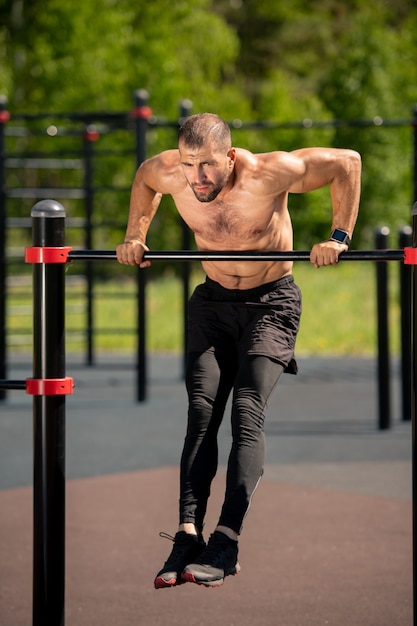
[[190, 578], [161, 583]]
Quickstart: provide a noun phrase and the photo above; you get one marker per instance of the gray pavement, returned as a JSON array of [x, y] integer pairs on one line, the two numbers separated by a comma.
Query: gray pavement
[[321, 426]]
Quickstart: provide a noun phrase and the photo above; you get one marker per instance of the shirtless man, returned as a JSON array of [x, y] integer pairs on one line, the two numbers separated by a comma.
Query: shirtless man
[[243, 320]]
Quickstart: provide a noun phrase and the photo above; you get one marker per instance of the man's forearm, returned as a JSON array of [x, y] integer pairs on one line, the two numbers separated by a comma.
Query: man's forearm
[[144, 203], [345, 194]]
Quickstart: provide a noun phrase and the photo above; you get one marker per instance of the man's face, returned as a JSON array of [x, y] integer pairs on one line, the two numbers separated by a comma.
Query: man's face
[[206, 169]]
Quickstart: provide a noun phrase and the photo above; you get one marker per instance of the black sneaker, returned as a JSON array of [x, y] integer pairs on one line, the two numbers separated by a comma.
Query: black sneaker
[[218, 560], [186, 549]]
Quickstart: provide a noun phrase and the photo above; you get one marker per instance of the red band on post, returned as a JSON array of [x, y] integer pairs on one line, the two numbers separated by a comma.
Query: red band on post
[[142, 113], [47, 254], [49, 386], [4, 117], [410, 256], [92, 135]]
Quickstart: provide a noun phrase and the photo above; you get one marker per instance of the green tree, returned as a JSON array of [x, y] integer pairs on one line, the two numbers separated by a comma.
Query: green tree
[[344, 61], [62, 56], [253, 60], [91, 57], [368, 82]]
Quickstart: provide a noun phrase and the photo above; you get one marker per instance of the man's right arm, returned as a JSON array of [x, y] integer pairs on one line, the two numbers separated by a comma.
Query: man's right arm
[[155, 177], [144, 202]]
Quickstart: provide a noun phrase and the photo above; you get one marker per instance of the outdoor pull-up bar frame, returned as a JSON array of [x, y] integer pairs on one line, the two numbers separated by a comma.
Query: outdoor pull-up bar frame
[[49, 386], [256, 255]]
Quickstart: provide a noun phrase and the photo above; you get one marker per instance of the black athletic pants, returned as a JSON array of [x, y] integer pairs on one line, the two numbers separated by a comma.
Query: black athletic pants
[[239, 342], [210, 379]]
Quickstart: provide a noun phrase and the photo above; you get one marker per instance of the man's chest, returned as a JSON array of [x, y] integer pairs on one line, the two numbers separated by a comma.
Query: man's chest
[[238, 217]]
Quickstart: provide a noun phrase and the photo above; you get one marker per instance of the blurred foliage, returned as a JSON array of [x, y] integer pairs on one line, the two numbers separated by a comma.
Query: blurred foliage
[[302, 61]]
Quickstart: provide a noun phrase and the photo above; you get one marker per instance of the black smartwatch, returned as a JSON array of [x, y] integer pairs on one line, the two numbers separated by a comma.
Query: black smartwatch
[[341, 236]]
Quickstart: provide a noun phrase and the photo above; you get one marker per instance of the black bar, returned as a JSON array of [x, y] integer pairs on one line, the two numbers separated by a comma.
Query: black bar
[[13, 384], [186, 273], [198, 255], [414, 125], [3, 329], [48, 421], [141, 361], [405, 241], [414, 410], [88, 151], [384, 378], [185, 111], [38, 192], [141, 127], [122, 117]]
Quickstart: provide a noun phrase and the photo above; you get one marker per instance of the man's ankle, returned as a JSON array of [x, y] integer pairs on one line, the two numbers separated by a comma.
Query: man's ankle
[[228, 532], [188, 528]]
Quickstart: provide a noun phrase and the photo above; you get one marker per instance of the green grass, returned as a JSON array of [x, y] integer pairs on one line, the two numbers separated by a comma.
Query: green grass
[[339, 309], [339, 312]]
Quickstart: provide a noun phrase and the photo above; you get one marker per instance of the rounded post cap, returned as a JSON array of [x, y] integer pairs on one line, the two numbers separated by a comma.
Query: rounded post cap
[[48, 208]]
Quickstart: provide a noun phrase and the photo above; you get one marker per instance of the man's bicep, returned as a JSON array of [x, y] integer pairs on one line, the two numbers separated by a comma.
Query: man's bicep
[[319, 169]]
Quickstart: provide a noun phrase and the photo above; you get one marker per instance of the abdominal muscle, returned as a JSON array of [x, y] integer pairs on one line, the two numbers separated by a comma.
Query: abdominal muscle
[[245, 274]]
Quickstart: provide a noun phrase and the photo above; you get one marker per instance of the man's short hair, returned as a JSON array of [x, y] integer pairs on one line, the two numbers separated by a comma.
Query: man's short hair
[[197, 129]]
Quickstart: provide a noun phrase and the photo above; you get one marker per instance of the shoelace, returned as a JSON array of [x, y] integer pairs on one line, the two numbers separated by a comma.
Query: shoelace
[[179, 551]]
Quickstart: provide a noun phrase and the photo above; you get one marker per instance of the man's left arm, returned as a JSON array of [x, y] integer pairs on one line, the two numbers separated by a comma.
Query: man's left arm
[[341, 170]]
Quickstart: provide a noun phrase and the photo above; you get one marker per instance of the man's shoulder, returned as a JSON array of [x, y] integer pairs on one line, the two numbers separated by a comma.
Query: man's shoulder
[[264, 162], [164, 164], [256, 158], [162, 172], [167, 159]]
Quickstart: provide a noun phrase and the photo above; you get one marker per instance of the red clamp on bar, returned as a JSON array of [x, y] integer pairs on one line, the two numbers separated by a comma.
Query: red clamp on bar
[[91, 134], [410, 256], [47, 254], [142, 113], [49, 386], [4, 117]]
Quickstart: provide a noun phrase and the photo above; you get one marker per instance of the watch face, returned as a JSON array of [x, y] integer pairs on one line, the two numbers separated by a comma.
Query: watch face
[[340, 235]]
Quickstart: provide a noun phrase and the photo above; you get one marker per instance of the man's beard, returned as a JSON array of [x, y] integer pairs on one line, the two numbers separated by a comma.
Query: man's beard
[[210, 195], [214, 190]]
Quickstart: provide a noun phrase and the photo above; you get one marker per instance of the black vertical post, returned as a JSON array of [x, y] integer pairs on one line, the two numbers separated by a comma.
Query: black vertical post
[[141, 115], [185, 111], [384, 389], [414, 368], [414, 407], [405, 240], [415, 153], [89, 137], [4, 117], [48, 218]]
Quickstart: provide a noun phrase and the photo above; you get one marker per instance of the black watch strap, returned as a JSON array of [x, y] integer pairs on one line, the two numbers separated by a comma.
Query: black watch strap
[[341, 236]]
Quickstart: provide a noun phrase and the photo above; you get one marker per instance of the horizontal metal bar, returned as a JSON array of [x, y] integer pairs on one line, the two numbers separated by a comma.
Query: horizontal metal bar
[[26, 192], [44, 163], [13, 384], [26, 222], [198, 255]]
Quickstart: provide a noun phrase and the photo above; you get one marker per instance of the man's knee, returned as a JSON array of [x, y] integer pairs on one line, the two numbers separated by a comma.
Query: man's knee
[[248, 411]]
